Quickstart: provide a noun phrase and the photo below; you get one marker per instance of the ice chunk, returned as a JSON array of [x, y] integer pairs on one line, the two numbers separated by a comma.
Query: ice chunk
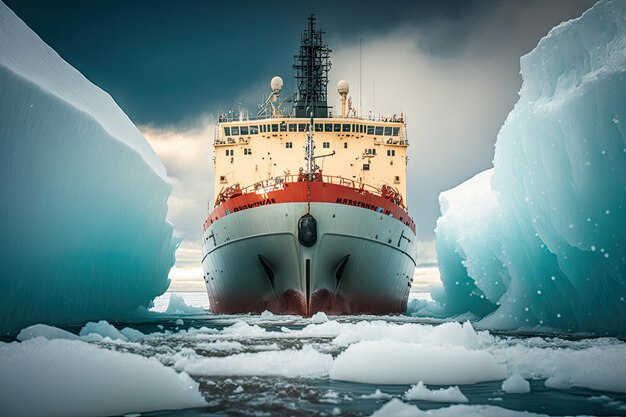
[[177, 305], [304, 363], [377, 395], [102, 329], [442, 395], [516, 384], [540, 240], [72, 378], [319, 318], [330, 397], [266, 314], [600, 366], [330, 328], [132, 335], [84, 196], [243, 329], [396, 408], [45, 331], [446, 334], [391, 362]]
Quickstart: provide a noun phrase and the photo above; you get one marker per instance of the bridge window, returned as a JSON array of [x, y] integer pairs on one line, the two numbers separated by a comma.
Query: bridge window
[[227, 131], [388, 131], [326, 144], [319, 127], [345, 128], [254, 130], [302, 127], [283, 127], [337, 127], [292, 127], [396, 130], [288, 145], [244, 130], [328, 127], [361, 128], [370, 130], [235, 131], [275, 127], [379, 130]]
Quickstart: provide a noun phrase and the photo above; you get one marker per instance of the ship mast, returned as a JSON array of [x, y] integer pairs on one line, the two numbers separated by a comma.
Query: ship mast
[[309, 150], [311, 67]]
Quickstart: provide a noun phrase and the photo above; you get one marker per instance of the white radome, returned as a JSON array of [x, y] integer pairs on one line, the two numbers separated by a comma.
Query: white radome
[[343, 87], [276, 83]]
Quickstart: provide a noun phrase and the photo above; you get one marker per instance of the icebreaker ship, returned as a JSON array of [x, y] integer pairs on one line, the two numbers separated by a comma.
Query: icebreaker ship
[[83, 197], [540, 240]]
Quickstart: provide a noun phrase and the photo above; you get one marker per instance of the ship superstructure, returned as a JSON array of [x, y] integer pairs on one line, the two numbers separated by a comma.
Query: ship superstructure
[[309, 215]]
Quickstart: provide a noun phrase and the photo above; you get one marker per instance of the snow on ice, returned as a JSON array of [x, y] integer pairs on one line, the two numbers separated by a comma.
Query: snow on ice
[[449, 354], [84, 196], [515, 384], [72, 378], [539, 241], [304, 363], [442, 395], [393, 362], [396, 408]]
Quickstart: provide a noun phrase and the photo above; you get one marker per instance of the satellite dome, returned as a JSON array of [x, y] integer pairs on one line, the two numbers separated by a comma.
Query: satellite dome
[[276, 83], [343, 87]]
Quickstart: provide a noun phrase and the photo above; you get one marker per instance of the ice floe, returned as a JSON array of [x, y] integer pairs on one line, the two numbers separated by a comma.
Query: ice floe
[[63, 377]]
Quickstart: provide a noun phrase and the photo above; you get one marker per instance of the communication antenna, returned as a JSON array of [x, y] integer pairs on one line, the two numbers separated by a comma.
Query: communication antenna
[[311, 68], [360, 82]]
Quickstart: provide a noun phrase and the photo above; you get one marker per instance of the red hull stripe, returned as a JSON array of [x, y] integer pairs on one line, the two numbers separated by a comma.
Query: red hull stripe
[[320, 192]]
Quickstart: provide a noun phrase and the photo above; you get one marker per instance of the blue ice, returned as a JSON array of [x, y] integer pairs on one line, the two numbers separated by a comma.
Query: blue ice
[[83, 197], [540, 240]]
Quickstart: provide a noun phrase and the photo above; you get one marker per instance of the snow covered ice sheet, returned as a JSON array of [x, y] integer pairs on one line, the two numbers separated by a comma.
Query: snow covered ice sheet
[[84, 196], [539, 241]]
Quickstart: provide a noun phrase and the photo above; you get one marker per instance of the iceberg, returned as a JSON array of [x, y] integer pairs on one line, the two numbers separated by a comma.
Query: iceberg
[[539, 241], [83, 195]]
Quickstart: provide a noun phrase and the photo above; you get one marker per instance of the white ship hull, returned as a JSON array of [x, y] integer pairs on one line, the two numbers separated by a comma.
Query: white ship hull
[[362, 261]]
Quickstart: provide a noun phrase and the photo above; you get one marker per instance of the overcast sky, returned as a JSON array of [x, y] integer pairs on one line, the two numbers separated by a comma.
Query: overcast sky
[[451, 66]]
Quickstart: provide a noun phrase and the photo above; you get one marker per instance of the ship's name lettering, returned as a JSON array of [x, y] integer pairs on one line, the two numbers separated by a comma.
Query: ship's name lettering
[[357, 203], [255, 204]]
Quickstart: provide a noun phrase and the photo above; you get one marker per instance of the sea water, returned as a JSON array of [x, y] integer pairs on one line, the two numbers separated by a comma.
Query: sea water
[[294, 366]]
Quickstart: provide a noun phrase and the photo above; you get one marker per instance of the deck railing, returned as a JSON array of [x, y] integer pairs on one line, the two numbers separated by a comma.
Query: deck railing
[[278, 183]]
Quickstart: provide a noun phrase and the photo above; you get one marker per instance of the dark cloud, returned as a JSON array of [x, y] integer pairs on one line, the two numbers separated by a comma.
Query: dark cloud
[[166, 61]]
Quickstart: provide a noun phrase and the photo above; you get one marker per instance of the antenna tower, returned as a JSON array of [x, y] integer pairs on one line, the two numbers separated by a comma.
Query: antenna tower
[[311, 67]]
